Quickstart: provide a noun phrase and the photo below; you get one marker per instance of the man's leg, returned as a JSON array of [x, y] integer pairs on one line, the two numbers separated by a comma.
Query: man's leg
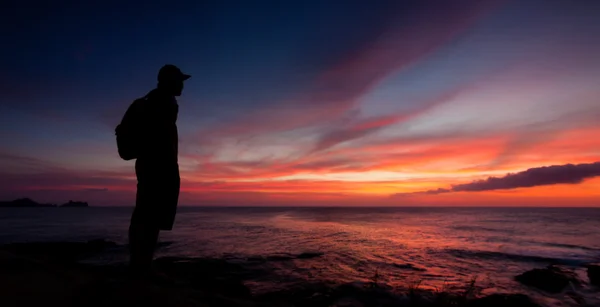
[[143, 237], [151, 241], [148, 217]]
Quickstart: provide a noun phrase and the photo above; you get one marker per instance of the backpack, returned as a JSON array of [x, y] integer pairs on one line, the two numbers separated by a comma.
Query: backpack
[[128, 132]]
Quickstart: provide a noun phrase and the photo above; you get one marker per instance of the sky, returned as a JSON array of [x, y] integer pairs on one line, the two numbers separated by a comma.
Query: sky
[[302, 103]]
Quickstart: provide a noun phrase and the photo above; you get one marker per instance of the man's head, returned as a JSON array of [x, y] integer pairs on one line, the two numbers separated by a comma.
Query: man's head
[[171, 79]]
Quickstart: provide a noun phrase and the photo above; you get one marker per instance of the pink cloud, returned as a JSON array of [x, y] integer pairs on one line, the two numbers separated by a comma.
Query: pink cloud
[[533, 177], [337, 90]]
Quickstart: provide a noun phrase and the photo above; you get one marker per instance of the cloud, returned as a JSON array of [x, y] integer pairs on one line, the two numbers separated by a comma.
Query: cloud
[[364, 127], [337, 87], [538, 176], [23, 173], [66, 180], [547, 175], [13, 163]]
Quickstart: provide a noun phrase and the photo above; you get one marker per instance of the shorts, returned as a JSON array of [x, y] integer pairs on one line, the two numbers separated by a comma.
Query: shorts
[[157, 195]]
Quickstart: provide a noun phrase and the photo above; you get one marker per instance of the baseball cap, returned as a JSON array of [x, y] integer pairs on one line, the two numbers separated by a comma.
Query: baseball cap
[[171, 72]]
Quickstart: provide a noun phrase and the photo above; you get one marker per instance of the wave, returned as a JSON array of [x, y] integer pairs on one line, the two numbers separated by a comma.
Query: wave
[[573, 246], [481, 228], [489, 255], [284, 257], [409, 266], [508, 239], [337, 234]]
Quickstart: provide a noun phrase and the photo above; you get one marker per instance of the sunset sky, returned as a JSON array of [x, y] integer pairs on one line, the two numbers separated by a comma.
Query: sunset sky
[[310, 102]]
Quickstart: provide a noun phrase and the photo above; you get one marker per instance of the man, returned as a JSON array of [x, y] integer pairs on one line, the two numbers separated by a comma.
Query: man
[[156, 168]]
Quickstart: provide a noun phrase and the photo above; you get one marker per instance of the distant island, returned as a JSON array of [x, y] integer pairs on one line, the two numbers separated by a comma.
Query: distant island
[[24, 202], [77, 204], [29, 203]]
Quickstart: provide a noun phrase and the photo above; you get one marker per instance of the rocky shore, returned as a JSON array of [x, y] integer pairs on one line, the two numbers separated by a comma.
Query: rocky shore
[[32, 274]]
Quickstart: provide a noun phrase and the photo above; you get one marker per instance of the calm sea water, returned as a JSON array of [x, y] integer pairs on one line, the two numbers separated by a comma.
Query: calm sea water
[[441, 247]]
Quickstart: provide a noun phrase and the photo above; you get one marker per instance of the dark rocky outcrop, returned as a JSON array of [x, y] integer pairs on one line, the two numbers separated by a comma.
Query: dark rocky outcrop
[[34, 274], [357, 295], [50, 273], [59, 252], [208, 274], [309, 255], [593, 273], [503, 300], [551, 279], [321, 294]]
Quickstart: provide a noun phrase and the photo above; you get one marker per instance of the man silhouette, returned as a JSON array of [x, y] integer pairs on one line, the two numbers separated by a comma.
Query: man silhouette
[[156, 168]]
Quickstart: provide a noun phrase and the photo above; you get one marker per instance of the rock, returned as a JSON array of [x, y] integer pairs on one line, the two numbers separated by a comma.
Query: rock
[[308, 294], [551, 279], [26, 280], [593, 273], [347, 302], [213, 275], [99, 245], [503, 300], [30, 276], [381, 295], [279, 258], [230, 287], [63, 252], [309, 255]]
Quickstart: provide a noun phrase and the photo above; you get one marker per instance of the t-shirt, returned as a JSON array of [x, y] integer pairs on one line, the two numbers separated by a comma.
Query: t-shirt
[[159, 128]]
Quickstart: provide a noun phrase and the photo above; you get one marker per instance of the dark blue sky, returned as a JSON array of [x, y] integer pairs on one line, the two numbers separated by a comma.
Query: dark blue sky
[[76, 54], [319, 91]]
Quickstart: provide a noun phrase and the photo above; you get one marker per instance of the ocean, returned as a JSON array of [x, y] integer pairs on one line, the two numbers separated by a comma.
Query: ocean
[[434, 247]]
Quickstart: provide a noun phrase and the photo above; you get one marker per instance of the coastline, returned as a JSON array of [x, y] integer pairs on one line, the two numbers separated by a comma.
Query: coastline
[[54, 272], [29, 203]]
